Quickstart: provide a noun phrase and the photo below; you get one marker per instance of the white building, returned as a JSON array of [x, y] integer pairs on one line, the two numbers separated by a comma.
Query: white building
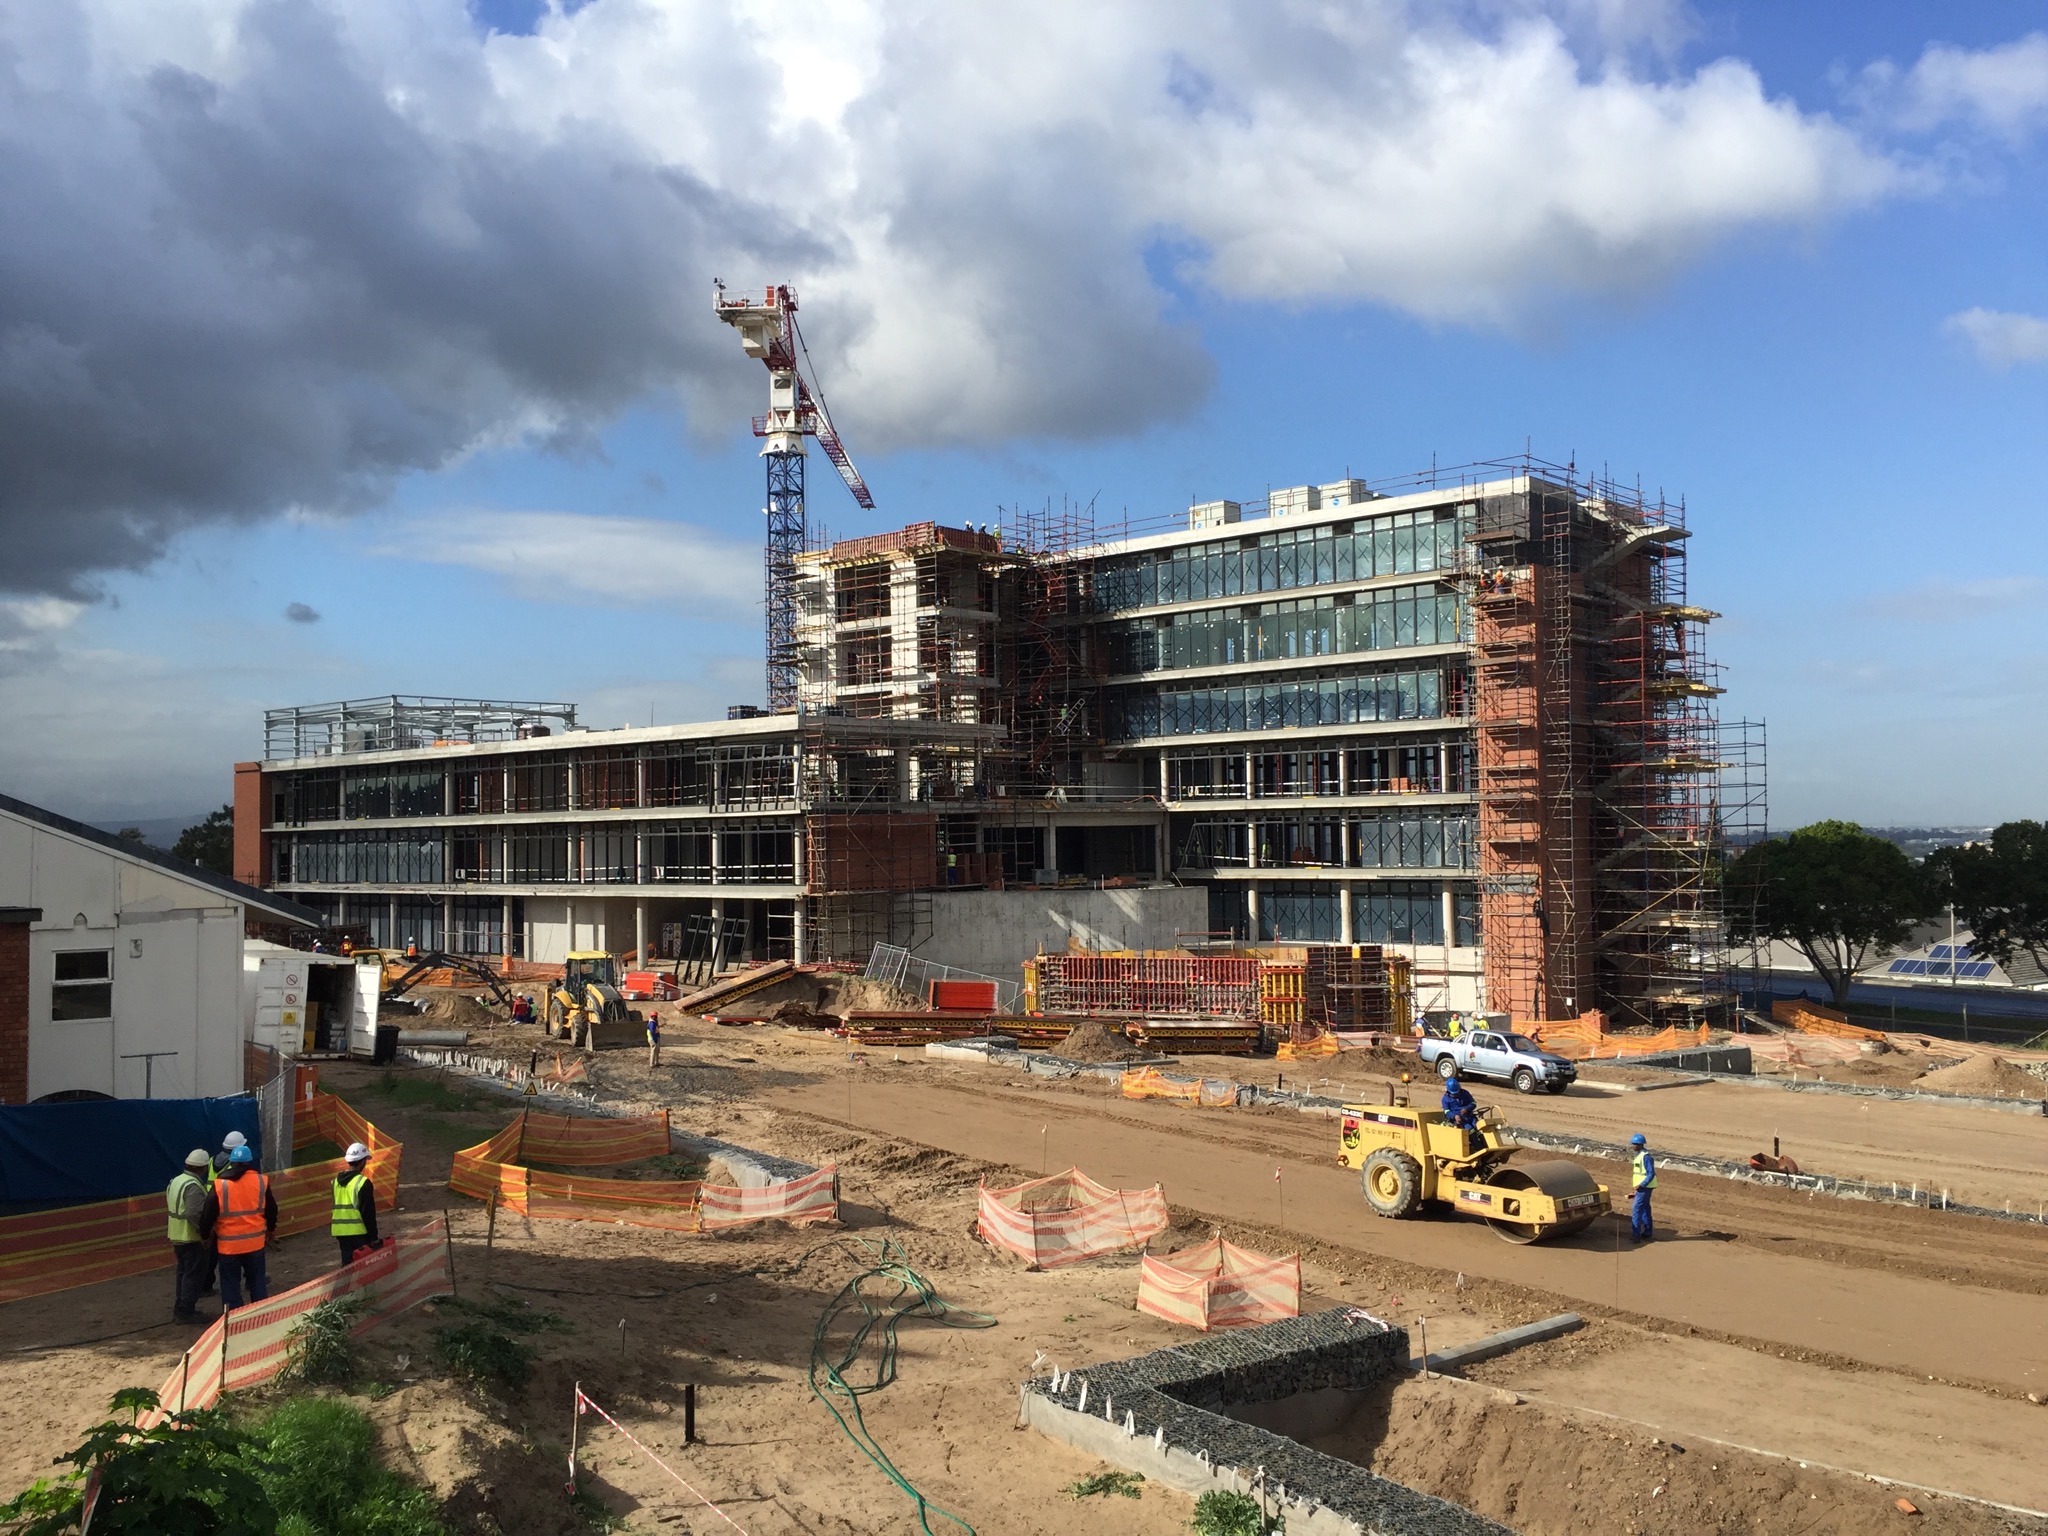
[[120, 967]]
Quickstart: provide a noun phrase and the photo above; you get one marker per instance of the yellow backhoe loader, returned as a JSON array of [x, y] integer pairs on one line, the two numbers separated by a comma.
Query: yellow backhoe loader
[[1408, 1156], [586, 1007]]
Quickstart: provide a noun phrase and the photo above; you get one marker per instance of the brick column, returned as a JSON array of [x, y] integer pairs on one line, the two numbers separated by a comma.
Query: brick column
[[14, 923]]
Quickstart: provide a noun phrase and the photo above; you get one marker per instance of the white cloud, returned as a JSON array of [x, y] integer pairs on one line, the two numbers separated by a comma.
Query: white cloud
[[2002, 89], [1946, 600], [2001, 339], [266, 254], [567, 557]]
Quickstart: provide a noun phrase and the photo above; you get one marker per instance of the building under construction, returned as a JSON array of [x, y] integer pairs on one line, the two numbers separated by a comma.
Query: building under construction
[[1467, 717]]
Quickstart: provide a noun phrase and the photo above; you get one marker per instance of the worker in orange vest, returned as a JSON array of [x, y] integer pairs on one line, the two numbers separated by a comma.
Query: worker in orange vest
[[239, 1216]]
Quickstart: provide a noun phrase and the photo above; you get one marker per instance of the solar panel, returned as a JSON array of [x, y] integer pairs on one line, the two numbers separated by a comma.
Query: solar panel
[[1976, 970]]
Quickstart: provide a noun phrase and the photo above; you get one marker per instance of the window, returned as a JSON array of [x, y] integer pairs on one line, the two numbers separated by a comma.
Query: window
[[83, 985]]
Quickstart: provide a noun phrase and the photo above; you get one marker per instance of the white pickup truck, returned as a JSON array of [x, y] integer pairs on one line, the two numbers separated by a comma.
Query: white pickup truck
[[1500, 1056]]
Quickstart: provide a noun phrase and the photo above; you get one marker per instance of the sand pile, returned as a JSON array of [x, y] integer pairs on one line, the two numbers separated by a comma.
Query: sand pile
[[457, 1010], [796, 1015], [856, 993], [1097, 1041], [1989, 1076]]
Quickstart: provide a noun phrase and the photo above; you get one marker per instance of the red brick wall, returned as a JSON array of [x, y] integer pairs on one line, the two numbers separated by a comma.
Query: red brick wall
[[252, 814], [13, 1013]]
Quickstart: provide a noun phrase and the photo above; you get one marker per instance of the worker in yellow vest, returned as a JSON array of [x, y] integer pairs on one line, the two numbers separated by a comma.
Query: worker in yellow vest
[[186, 1203], [240, 1215], [1642, 1178], [355, 1205]]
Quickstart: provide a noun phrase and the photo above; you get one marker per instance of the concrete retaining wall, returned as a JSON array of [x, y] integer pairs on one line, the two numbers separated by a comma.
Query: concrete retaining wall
[[995, 932], [1167, 1415], [1734, 1059]]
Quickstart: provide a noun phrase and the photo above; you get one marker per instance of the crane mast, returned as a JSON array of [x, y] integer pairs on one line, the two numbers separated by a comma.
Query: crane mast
[[796, 409]]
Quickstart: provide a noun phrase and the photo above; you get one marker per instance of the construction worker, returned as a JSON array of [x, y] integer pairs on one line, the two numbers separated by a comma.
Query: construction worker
[[219, 1166], [354, 1223], [1456, 1026], [239, 1216], [186, 1202], [1642, 1178], [412, 949], [1460, 1109], [653, 1038]]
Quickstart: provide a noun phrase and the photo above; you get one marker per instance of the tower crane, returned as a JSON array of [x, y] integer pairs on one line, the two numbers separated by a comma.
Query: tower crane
[[796, 410]]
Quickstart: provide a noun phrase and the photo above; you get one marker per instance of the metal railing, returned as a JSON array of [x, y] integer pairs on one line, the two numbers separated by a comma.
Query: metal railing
[[898, 967]]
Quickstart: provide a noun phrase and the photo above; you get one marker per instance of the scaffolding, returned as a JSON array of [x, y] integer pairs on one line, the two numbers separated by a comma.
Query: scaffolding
[[397, 722], [1053, 706]]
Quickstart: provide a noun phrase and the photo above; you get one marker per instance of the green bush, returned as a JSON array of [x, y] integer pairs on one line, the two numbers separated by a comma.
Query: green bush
[[481, 1353], [1233, 1514], [1103, 1484], [324, 1479], [321, 1347], [192, 1475]]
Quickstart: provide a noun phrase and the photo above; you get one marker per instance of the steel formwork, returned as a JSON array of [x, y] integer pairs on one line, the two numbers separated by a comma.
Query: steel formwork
[[1186, 985]]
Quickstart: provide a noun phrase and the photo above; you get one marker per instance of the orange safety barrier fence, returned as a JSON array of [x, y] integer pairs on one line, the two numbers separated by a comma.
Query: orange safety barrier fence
[[1068, 1217], [47, 1251], [1308, 1050], [1150, 1083], [1219, 1285], [1573, 1039], [1813, 1019], [246, 1347], [497, 1170]]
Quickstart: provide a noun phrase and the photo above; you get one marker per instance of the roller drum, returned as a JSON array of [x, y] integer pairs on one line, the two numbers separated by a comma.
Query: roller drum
[[1556, 1178]]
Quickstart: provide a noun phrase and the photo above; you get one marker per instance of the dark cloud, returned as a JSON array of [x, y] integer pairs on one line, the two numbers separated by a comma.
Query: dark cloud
[[302, 613], [222, 300]]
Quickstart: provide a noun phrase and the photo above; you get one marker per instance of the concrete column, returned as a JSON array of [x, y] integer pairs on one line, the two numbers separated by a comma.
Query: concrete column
[[1251, 844], [639, 855], [717, 932], [640, 933], [447, 794], [1251, 787], [569, 924], [800, 932], [505, 787], [1251, 906], [504, 857], [1165, 790], [1343, 770], [1345, 930], [797, 869], [572, 783], [716, 866], [1450, 932], [1162, 856], [505, 929], [447, 924], [640, 780], [904, 790], [393, 939]]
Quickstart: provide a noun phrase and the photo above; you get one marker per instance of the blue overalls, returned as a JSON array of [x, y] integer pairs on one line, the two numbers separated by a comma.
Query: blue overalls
[[1643, 1176]]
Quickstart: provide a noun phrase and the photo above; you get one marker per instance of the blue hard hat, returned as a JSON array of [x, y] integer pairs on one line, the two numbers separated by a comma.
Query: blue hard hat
[[1637, 1140], [241, 1154]]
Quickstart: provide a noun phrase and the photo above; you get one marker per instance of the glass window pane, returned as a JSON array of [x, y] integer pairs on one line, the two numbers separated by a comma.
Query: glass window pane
[[82, 1000], [83, 964]]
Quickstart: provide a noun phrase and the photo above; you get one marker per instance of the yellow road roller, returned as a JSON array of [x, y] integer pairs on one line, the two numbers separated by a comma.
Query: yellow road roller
[[1408, 1156]]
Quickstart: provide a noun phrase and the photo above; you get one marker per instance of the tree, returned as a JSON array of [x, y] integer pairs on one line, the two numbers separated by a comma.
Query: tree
[[1839, 894], [133, 835], [210, 843], [2000, 891]]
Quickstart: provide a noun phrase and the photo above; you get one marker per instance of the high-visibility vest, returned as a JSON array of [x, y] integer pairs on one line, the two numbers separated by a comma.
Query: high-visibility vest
[[240, 1228], [181, 1229], [348, 1216], [1642, 1172]]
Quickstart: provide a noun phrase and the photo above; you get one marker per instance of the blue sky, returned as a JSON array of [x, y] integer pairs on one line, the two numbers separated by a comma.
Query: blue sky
[[1774, 337]]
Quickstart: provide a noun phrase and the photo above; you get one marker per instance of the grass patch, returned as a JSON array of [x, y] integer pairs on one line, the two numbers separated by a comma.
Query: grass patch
[[513, 1315], [1103, 1484], [324, 1479], [321, 1151], [321, 1348], [669, 1166], [426, 1093], [485, 1355]]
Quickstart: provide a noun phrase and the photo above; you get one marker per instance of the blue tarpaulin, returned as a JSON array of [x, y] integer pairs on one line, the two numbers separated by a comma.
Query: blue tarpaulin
[[104, 1149]]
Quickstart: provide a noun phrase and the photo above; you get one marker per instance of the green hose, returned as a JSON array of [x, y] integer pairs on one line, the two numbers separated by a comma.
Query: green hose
[[912, 1296]]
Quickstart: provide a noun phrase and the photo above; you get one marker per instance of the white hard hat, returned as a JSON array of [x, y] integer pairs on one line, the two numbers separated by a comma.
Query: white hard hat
[[232, 1140], [356, 1153]]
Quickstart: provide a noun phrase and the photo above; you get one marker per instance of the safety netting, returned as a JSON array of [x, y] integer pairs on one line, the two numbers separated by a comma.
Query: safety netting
[[1585, 1040], [499, 1171], [1151, 1083], [1068, 1217], [1219, 1285], [108, 1239], [249, 1345]]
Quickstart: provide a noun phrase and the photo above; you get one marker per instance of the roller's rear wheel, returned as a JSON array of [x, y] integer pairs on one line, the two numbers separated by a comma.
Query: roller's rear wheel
[[1393, 1183]]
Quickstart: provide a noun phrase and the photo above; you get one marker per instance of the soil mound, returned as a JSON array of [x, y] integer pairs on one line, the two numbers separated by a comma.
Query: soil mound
[[848, 993], [1990, 1076], [1097, 1041], [796, 1015], [458, 1010]]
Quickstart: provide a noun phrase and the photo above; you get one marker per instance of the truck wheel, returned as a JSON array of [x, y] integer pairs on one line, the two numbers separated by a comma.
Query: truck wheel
[[1525, 1080], [1446, 1066], [1393, 1183], [1556, 1087]]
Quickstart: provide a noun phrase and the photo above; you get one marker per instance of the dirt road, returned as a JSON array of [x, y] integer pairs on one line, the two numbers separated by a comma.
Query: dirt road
[[1914, 1292]]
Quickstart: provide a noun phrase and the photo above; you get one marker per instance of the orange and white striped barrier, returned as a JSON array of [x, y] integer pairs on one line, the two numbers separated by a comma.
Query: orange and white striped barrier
[[1219, 1285], [1068, 1217], [246, 1347]]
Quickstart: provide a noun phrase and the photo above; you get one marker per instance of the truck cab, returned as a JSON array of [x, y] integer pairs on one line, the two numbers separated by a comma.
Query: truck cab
[[1500, 1056]]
